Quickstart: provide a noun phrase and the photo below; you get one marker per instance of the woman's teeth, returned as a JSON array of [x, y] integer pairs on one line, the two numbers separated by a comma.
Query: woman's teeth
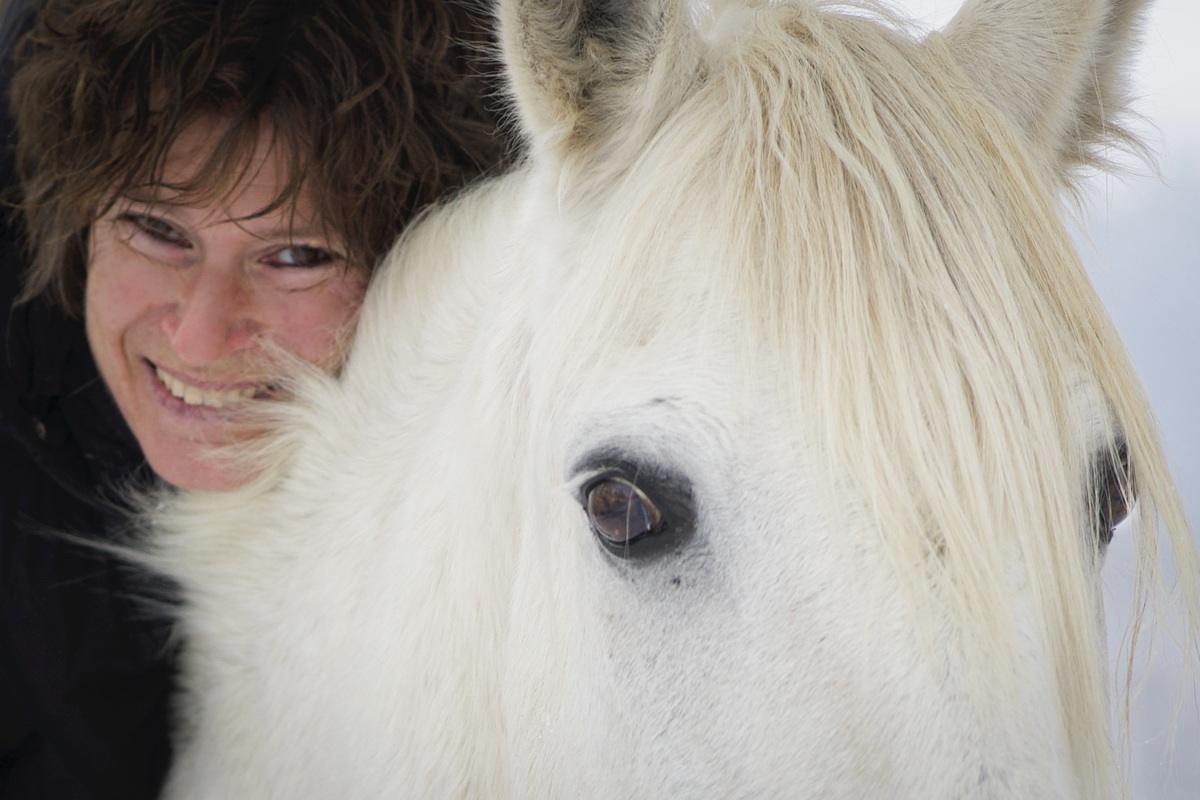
[[194, 396]]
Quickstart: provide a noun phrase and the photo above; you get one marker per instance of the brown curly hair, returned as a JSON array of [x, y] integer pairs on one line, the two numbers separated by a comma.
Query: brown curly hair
[[379, 107]]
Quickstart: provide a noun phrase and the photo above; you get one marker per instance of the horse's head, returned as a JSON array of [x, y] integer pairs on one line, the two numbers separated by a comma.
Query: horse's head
[[823, 376], [760, 437]]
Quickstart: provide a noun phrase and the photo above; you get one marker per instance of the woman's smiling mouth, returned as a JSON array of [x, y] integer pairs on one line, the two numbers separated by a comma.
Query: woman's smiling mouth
[[210, 398]]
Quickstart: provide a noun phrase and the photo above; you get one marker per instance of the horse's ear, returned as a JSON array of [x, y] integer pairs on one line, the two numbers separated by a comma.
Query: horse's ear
[[584, 72], [1056, 68]]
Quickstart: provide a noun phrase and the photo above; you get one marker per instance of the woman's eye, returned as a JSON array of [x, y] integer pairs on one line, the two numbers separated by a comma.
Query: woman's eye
[[157, 229], [300, 256]]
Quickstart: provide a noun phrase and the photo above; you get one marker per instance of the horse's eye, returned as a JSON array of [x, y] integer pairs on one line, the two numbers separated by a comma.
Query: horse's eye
[[1111, 492], [639, 509], [620, 513]]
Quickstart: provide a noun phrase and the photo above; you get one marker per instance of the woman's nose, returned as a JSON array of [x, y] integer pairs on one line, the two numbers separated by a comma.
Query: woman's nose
[[214, 315]]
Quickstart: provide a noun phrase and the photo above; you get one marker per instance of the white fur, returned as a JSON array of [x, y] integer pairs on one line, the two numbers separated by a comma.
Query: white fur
[[800, 262]]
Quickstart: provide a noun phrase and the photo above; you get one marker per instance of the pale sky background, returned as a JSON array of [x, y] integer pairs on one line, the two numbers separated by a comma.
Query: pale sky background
[[1144, 257]]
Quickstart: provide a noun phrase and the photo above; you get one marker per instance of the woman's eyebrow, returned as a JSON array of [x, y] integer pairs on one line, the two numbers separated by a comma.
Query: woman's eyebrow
[[304, 230], [149, 197], [298, 233]]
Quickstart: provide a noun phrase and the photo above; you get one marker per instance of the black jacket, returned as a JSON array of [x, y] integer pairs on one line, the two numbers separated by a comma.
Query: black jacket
[[85, 670]]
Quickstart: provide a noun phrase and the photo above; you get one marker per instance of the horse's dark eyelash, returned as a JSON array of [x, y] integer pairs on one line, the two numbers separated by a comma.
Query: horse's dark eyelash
[[654, 480]]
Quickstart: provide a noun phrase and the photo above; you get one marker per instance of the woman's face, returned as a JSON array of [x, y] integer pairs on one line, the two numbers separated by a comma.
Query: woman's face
[[185, 301]]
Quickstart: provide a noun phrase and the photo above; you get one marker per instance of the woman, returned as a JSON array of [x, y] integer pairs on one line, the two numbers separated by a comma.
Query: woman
[[204, 185]]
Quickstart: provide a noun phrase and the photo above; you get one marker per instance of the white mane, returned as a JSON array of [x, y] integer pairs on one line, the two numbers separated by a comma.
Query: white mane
[[821, 276]]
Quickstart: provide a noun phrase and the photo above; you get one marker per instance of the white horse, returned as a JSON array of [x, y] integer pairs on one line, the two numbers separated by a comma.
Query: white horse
[[759, 437]]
